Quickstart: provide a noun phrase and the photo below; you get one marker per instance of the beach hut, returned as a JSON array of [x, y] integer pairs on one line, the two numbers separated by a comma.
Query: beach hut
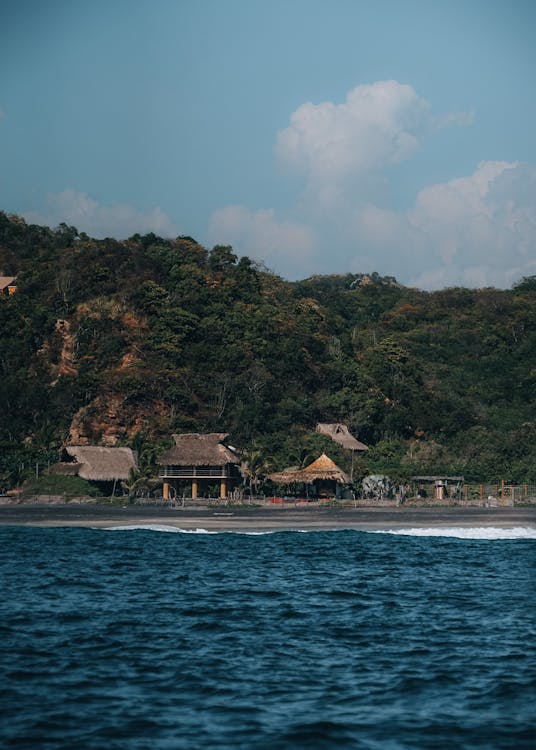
[[323, 473], [200, 459], [104, 466]]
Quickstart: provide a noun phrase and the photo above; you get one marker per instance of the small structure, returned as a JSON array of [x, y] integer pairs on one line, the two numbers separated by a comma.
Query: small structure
[[105, 466], [200, 458], [7, 284], [323, 473], [340, 434], [441, 487]]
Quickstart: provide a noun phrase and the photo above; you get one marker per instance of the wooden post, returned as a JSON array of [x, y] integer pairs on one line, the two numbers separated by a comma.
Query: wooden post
[[502, 491], [165, 491], [223, 489], [194, 489]]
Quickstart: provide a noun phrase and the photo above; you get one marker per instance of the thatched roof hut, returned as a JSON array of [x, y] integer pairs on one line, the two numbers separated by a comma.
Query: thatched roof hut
[[321, 470], [95, 463], [340, 434], [196, 449], [7, 284], [202, 459]]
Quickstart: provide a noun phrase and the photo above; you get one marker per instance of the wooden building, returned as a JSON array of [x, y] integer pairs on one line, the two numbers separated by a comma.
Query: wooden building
[[201, 459], [323, 474], [104, 466], [8, 285]]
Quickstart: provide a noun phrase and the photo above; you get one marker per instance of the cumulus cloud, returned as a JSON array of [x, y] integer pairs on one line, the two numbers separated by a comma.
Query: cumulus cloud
[[481, 229], [377, 125], [87, 215], [262, 236], [477, 230]]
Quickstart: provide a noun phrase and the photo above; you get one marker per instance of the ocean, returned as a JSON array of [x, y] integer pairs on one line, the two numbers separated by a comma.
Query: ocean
[[136, 638]]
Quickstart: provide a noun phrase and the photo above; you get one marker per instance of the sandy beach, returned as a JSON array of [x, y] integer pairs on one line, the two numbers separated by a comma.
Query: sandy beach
[[265, 519]]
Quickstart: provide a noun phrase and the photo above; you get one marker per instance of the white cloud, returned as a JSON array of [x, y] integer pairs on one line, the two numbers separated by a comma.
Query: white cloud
[[85, 213], [476, 230], [262, 236], [378, 125], [481, 229]]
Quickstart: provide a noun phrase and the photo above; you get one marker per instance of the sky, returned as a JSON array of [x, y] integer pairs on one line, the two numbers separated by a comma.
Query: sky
[[314, 136]]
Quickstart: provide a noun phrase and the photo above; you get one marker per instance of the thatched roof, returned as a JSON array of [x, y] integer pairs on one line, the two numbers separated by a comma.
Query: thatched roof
[[6, 281], [323, 469], [196, 449], [95, 463], [340, 434]]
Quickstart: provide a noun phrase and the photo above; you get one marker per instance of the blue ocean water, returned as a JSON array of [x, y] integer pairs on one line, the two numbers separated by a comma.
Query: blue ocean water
[[345, 639]]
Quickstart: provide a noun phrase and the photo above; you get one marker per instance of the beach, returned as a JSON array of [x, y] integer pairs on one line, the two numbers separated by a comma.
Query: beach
[[228, 518]]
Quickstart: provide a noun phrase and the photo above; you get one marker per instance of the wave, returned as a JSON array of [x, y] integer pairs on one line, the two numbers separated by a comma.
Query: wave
[[176, 530], [158, 527], [467, 532], [454, 532]]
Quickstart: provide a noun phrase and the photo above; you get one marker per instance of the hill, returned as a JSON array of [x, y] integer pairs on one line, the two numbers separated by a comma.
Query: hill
[[126, 342]]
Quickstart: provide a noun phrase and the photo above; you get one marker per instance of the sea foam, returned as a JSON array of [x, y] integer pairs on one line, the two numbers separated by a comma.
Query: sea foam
[[158, 527], [467, 532], [455, 532], [176, 530]]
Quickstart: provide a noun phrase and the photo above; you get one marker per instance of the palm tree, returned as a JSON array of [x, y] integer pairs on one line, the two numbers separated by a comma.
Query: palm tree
[[255, 467]]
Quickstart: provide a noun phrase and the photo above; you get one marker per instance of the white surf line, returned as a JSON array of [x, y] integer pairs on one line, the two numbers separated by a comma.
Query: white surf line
[[466, 532]]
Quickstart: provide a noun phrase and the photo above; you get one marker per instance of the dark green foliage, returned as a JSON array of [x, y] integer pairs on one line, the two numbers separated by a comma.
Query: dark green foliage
[[60, 485], [150, 336]]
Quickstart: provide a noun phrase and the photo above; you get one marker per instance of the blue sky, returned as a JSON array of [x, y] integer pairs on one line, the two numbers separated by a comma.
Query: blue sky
[[316, 136]]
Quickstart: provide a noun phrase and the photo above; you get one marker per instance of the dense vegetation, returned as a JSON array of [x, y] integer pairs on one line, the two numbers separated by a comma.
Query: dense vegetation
[[130, 341]]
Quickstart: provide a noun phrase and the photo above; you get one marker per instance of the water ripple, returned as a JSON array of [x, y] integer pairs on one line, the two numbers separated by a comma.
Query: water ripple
[[281, 641]]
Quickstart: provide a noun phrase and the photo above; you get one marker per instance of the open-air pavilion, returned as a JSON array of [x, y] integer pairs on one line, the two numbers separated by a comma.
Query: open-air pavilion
[[324, 474]]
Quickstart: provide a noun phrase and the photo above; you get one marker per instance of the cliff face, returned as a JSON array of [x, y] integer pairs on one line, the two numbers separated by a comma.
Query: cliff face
[[66, 359], [110, 420]]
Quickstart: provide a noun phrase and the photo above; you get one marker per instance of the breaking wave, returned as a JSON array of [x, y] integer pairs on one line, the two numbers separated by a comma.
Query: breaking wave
[[462, 532], [490, 533]]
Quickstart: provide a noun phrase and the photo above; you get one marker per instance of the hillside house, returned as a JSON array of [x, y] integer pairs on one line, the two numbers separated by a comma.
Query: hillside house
[[8, 285], [340, 434]]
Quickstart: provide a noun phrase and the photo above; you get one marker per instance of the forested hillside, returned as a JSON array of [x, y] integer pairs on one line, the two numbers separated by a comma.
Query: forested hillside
[[127, 342]]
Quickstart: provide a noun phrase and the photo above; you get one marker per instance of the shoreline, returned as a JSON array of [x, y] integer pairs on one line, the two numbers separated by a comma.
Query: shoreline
[[266, 519]]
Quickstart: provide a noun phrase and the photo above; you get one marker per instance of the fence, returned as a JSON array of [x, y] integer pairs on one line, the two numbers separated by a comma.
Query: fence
[[485, 495], [500, 494]]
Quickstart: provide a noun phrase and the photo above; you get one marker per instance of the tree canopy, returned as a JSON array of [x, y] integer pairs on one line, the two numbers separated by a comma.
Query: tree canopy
[[107, 340]]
